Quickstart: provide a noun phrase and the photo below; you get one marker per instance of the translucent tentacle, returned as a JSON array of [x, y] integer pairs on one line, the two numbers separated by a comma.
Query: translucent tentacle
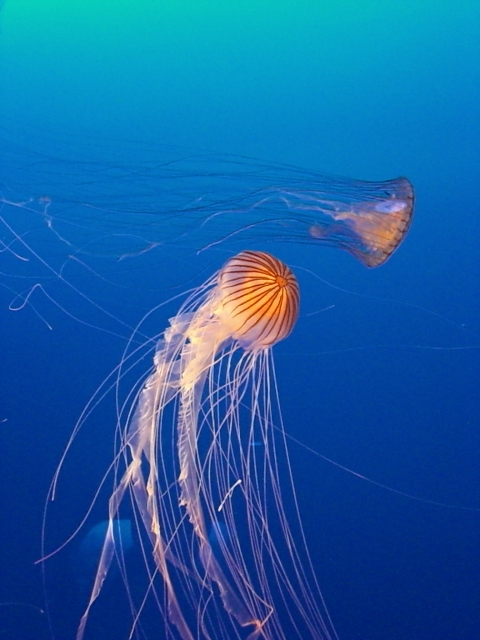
[[205, 340], [140, 440]]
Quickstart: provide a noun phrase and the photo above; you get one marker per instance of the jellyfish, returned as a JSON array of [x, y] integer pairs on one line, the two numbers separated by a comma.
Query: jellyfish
[[212, 390], [74, 249], [86, 225]]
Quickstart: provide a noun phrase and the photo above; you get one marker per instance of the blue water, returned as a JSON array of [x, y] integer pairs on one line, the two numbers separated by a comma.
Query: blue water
[[381, 373]]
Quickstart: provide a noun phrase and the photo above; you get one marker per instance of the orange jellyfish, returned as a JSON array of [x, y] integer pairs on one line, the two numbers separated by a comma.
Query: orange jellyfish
[[213, 390], [371, 230], [367, 219]]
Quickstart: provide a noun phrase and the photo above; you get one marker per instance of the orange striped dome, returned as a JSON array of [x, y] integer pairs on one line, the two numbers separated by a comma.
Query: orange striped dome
[[259, 299]]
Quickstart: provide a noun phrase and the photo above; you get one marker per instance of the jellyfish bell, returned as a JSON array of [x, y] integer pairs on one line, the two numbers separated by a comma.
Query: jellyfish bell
[[212, 392], [258, 299], [371, 231]]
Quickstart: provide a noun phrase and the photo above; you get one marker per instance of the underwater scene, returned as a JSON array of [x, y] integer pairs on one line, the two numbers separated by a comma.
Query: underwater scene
[[239, 320]]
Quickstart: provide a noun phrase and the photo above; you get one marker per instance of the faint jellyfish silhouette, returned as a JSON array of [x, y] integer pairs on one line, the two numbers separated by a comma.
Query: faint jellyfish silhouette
[[88, 553]]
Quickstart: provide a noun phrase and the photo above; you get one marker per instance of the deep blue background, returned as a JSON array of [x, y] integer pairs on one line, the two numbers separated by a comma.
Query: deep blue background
[[384, 383]]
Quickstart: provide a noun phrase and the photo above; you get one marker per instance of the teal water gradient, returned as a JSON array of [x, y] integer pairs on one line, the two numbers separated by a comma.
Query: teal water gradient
[[366, 89]]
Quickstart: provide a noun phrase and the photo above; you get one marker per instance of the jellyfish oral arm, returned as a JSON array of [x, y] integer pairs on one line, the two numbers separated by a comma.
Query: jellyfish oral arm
[[205, 340], [159, 389]]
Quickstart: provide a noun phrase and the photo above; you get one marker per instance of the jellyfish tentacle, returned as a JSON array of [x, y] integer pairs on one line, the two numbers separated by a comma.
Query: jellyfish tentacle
[[206, 337], [159, 389]]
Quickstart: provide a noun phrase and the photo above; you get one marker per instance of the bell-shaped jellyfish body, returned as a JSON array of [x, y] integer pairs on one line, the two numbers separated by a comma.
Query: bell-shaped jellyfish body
[[212, 391], [372, 229], [255, 204], [190, 203], [367, 219]]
